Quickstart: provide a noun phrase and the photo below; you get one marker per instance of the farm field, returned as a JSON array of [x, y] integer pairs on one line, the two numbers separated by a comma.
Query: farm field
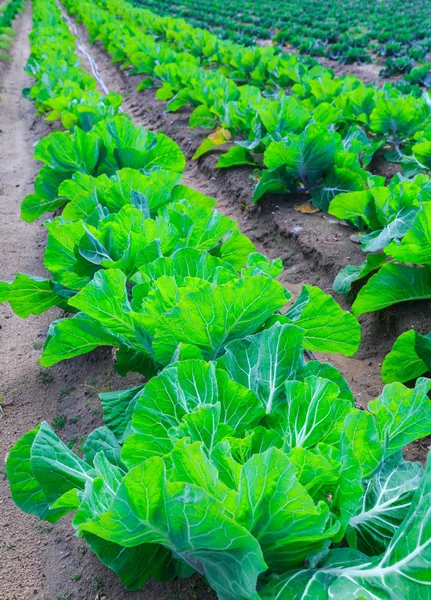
[[391, 36], [215, 300]]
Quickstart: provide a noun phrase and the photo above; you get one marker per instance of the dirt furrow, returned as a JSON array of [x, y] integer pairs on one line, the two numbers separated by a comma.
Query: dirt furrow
[[24, 396]]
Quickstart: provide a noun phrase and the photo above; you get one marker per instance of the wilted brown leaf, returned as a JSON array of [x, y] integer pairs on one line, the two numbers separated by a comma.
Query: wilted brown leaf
[[307, 208]]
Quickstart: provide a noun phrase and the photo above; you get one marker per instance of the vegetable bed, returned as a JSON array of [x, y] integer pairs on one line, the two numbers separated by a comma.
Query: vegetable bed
[[240, 456]]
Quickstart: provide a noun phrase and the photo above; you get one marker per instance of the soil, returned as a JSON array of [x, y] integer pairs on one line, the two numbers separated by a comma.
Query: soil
[[47, 562], [367, 72]]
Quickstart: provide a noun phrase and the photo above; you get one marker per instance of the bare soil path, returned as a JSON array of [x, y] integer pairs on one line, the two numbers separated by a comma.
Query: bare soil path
[[23, 394]]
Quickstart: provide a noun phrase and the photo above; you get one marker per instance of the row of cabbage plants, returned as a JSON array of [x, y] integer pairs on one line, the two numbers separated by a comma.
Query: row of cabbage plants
[[238, 458], [318, 136]]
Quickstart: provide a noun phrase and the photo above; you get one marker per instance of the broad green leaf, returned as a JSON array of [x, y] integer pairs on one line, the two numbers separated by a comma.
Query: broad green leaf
[[200, 227], [327, 327], [285, 116], [162, 404], [415, 245], [338, 181], [85, 195], [361, 438], [72, 337], [82, 185], [195, 198], [402, 414], [163, 93], [279, 512], [69, 153], [61, 256], [264, 361], [34, 206], [186, 352], [398, 226], [311, 413], [257, 440], [202, 117], [149, 509], [360, 454], [235, 249], [327, 371], [422, 153], [136, 148], [398, 116], [99, 493], [351, 206], [46, 196], [190, 464], [189, 262], [203, 425], [118, 409], [257, 264], [26, 491], [93, 250], [178, 391], [274, 181], [148, 192], [103, 440], [240, 406], [213, 317], [387, 499], [393, 283], [55, 466], [358, 142], [105, 300], [165, 153], [134, 566], [306, 157], [299, 584], [29, 295], [409, 358], [351, 273], [314, 471], [345, 573], [131, 360], [236, 156], [68, 502]]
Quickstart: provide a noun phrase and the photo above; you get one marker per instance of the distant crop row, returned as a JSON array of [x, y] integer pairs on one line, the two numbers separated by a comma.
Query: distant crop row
[[238, 459], [394, 32], [8, 11]]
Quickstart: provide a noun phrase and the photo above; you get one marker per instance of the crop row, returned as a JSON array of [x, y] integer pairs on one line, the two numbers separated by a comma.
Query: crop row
[[238, 459], [8, 11], [345, 31], [318, 141]]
